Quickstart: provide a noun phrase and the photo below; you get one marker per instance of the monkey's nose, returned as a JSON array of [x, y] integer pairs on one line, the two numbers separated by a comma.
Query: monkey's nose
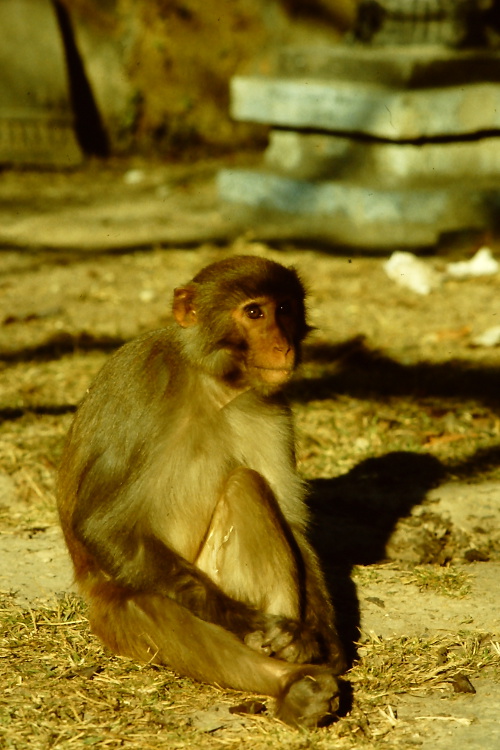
[[282, 346]]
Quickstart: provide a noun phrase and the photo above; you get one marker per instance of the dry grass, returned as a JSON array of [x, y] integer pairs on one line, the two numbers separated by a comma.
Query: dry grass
[[446, 581], [60, 689]]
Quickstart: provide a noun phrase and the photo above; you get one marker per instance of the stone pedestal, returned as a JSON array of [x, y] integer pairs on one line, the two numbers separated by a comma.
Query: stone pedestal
[[376, 141]]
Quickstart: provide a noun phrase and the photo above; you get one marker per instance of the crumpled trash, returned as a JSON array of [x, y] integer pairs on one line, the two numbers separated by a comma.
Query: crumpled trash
[[411, 272], [488, 338], [481, 264]]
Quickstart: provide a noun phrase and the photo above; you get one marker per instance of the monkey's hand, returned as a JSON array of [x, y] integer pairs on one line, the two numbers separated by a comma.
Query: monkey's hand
[[288, 640], [311, 700]]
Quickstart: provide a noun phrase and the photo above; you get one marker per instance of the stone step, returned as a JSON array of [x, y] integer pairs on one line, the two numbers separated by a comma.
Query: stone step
[[375, 110], [349, 213], [316, 156], [413, 66]]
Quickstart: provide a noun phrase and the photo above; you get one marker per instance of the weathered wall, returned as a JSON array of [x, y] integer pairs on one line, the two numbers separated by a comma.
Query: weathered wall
[[160, 69]]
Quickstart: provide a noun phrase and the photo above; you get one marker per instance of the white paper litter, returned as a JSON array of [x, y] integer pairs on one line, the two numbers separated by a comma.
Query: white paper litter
[[481, 264], [488, 338], [411, 272]]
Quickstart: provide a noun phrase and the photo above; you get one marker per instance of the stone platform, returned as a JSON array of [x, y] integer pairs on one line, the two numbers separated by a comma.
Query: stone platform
[[371, 109], [394, 146]]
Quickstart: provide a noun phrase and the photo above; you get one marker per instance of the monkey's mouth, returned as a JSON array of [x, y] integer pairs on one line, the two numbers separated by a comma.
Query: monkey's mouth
[[274, 376], [287, 370], [262, 367]]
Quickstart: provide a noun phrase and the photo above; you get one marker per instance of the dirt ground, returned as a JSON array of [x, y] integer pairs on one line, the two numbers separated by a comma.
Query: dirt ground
[[397, 413]]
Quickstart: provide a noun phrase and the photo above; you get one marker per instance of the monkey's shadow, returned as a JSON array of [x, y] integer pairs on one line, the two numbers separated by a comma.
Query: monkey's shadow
[[353, 518]]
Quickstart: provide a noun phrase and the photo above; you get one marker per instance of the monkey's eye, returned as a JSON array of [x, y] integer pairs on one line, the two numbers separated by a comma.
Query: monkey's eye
[[253, 311]]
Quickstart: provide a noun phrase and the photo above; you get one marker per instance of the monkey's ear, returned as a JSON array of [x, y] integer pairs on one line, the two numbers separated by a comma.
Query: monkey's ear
[[183, 306]]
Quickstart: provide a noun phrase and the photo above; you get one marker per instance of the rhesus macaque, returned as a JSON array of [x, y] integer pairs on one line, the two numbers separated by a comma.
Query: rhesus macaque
[[181, 505]]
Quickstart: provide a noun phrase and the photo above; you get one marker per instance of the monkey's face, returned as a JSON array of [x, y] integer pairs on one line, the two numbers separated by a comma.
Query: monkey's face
[[267, 328], [243, 319]]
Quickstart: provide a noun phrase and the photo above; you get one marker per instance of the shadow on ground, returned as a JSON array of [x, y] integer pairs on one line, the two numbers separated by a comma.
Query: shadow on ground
[[363, 372], [355, 514]]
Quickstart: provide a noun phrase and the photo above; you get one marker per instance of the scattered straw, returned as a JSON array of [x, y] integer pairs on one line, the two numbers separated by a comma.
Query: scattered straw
[[60, 689]]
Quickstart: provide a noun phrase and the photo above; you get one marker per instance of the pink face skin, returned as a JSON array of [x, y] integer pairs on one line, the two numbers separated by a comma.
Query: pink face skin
[[268, 326]]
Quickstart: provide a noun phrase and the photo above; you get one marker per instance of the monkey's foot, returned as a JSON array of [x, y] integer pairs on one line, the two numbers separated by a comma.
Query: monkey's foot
[[312, 700]]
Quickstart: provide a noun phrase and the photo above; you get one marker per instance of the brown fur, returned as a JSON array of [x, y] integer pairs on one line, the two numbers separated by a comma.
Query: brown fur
[[181, 505]]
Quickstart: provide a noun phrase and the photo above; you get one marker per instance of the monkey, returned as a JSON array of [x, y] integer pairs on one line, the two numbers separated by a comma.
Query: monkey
[[181, 504]]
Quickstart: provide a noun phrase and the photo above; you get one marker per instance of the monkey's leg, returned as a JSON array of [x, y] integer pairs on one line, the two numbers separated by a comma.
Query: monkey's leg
[[250, 552], [154, 628]]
